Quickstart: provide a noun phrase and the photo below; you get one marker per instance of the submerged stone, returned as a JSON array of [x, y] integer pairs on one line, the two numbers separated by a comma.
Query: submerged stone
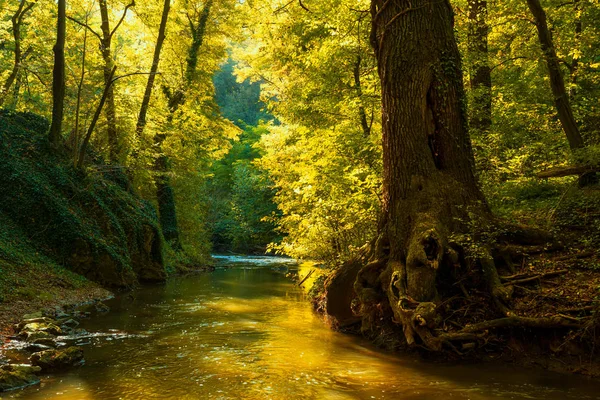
[[71, 323], [17, 376], [102, 308], [49, 360]]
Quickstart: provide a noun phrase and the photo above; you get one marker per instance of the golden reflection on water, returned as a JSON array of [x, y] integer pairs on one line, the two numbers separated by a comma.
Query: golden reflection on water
[[250, 334]]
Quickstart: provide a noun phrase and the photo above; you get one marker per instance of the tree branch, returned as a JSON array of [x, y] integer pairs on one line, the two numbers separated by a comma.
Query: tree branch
[[303, 6], [132, 4], [85, 26]]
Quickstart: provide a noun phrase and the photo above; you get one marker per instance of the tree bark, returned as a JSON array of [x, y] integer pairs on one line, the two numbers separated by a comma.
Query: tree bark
[[557, 83], [17, 21], [480, 120], [58, 76], [429, 187], [141, 122]]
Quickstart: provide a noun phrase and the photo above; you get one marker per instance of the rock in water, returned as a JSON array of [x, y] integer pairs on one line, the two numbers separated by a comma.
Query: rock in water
[[17, 376], [70, 323], [49, 360], [34, 337], [102, 308], [47, 327]]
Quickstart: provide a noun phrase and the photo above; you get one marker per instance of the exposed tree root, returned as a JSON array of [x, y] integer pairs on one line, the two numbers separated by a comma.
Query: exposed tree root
[[440, 292]]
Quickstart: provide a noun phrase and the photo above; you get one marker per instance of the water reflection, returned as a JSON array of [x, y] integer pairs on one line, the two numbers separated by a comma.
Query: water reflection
[[247, 332]]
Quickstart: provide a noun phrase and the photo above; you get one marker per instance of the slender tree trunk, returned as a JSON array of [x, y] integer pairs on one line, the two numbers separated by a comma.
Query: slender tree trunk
[[141, 122], [481, 79], [574, 70], [90, 130], [198, 38], [79, 90], [362, 113], [110, 110], [58, 76], [17, 21], [557, 83], [164, 191]]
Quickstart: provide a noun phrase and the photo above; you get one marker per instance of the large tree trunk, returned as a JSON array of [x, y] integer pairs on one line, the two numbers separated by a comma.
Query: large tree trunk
[[17, 21], [480, 120], [437, 233], [58, 76], [429, 189]]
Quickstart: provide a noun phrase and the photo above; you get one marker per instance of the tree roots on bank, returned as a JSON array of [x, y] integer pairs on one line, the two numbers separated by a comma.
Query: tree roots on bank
[[445, 295]]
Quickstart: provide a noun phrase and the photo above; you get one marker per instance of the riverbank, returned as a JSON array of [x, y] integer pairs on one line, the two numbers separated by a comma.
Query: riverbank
[[248, 332], [67, 233], [45, 292]]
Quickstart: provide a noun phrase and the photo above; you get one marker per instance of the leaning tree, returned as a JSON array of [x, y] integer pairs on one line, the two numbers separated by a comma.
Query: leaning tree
[[437, 233]]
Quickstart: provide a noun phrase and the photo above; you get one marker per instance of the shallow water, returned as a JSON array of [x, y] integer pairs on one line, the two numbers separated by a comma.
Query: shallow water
[[247, 332]]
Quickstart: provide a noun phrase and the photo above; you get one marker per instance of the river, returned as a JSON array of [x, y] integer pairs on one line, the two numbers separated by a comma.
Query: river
[[245, 331]]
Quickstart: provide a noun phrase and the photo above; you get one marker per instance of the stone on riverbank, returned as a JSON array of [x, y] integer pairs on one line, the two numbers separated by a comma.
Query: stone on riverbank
[[17, 376], [33, 327], [50, 360]]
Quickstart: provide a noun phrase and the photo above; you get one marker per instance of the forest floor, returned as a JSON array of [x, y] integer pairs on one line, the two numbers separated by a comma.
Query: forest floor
[[565, 284], [40, 287]]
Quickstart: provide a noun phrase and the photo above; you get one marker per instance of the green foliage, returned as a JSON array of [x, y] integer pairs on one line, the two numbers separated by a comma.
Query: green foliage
[[239, 102], [85, 221], [242, 214], [326, 168]]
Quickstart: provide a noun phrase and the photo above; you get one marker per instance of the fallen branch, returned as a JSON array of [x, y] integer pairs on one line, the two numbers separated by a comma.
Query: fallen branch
[[306, 277], [585, 254], [523, 322], [560, 172], [576, 310], [521, 278]]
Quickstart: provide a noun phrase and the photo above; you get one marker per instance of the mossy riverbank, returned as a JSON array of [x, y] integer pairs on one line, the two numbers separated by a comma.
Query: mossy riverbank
[[66, 234]]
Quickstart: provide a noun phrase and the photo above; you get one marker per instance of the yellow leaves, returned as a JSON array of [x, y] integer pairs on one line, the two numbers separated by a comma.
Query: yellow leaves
[[575, 54]]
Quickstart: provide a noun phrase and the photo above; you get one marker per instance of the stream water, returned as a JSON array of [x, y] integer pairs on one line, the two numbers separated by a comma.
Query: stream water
[[245, 331]]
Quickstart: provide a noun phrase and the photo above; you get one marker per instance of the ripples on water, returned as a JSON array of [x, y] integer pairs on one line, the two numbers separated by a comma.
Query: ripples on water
[[247, 332]]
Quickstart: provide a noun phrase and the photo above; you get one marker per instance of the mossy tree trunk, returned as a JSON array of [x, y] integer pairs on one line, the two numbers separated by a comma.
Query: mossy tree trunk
[[164, 190], [437, 233], [430, 193], [58, 76]]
